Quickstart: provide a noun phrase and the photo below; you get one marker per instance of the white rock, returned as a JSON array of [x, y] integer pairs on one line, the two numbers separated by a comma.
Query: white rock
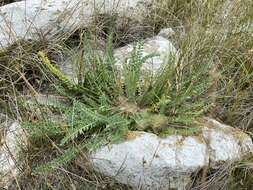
[[150, 162], [225, 143], [9, 148], [30, 19], [160, 47], [70, 64], [166, 32]]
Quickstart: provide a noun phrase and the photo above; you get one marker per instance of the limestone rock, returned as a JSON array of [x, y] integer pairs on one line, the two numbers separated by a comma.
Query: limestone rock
[[150, 162], [160, 47], [31, 19], [166, 32], [147, 161], [11, 139], [70, 67], [225, 142]]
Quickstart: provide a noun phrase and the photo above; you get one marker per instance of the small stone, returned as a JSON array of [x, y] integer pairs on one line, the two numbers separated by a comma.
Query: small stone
[[166, 32], [13, 138], [159, 48]]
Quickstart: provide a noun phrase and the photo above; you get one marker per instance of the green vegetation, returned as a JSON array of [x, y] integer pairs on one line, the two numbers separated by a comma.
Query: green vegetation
[[212, 75], [101, 111]]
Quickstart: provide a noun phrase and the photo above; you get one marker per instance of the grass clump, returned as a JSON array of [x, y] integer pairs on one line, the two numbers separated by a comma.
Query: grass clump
[[104, 105]]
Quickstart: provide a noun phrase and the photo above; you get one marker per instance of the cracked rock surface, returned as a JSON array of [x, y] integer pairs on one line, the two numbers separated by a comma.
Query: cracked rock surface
[[150, 162]]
